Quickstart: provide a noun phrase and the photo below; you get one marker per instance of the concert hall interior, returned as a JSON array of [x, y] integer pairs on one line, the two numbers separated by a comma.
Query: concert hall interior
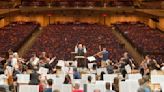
[[81, 45]]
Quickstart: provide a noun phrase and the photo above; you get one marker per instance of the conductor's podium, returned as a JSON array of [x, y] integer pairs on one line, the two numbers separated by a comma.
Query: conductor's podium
[[81, 61]]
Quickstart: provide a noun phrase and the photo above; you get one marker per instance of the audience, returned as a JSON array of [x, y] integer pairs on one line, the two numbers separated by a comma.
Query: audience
[[144, 38], [54, 42], [14, 34], [59, 47]]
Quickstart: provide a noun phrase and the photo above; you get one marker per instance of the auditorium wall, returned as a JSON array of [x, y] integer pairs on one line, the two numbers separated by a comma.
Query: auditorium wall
[[153, 24], [45, 19], [161, 24], [2, 23]]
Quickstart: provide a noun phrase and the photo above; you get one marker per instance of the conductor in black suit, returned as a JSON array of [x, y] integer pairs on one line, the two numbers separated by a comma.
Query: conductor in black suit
[[80, 51]]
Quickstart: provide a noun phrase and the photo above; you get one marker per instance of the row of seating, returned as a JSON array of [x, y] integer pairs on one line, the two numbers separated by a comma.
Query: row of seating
[[87, 3], [79, 3], [154, 4], [14, 34], [60, 40], [122, 3]]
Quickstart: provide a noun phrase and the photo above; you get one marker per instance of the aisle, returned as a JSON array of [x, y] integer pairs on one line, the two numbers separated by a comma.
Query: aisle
[[27, 45], [135, 54]]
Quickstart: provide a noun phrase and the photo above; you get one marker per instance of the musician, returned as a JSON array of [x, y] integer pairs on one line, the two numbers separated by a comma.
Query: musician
[[34, 60], [43, 59], [128, 60], [80, 49], [14, 60], [104, 55]]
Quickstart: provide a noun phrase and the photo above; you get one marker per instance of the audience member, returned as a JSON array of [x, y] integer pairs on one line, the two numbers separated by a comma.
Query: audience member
[[108, 87], [76, 74], [110, 68], [97, 90], [50, 83], [77, 88], [124, 75], [101, 75], [115, 85], [41, 84], [146, 86], [89, 79], [67, 79], [141, 83], [34, 78]]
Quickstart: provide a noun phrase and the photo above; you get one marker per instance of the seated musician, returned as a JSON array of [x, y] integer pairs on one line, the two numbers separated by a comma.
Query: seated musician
[[128, 60], [34, 60], [43, 59], [104, 55]]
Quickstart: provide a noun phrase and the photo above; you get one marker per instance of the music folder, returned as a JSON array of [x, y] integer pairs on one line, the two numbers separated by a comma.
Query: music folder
[[91, 58]]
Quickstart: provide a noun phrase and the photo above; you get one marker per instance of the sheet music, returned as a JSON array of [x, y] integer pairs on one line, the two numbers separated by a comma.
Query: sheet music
[[132, 85], [79, 57], [51, 76], [23, 78], [80, 81], [123, 86], [3, 78], [28, 88], [128, 68], [85, 78], [63, 87], [90, 65], [157, 79], [109, 77], [162, 85], [57, 87], [43, 70], [66, 88], [135, 76], [68, 70], [61, 63], [99, 70], [9, 70], [92, 87], [91, 58]]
